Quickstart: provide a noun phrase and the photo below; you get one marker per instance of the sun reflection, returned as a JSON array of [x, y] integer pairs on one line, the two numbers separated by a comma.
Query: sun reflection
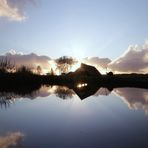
[[80, 85]]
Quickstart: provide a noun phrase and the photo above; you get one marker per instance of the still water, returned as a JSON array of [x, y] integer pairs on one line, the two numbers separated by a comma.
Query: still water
[[55, 117]]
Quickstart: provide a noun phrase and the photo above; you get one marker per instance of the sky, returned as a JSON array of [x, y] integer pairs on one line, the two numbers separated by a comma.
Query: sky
[[104, 33], [79, 28]]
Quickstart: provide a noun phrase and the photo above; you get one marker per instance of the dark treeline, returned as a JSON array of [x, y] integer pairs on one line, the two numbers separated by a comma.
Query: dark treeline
[[12, 77]]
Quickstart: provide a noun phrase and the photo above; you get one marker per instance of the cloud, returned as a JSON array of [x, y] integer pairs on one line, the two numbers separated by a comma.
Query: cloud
[[11, 140], [135, 59], [135, 98], [13, 9], [31, 60], [99, 63]]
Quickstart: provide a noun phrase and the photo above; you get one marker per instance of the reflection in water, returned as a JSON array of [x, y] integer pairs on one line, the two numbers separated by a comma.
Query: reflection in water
[[83, 90], [102, 91], [5, 103], [134, 97], [11, 140], [80, 85], [49, 123], [7, 98], [64, 92]]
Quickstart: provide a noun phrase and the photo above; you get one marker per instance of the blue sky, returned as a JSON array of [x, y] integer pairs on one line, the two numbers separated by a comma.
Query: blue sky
[[79, 28]]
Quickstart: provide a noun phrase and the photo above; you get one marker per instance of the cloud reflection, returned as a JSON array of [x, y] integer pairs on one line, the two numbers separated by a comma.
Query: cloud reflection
[[64, 92], [135, 98], [11, 140], [7, 98], [102, 92]]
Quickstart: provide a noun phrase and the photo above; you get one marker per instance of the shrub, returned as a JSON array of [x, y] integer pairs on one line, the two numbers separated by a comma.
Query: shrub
[[6, 66], [25, 70]]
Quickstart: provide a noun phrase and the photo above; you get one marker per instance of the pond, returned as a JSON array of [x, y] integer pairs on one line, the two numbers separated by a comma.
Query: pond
[[56, 117]]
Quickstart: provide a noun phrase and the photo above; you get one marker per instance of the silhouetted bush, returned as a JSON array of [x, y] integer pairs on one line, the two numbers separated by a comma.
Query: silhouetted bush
[[110, 73], [6, 66], [24, 70]]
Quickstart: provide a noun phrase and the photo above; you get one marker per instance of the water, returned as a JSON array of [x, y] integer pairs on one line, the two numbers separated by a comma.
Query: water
[[55, 117]]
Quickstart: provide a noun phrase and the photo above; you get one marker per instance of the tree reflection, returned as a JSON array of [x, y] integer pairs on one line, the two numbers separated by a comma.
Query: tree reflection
[[4, 102], [9, 96], [64, 92], [134, 97]]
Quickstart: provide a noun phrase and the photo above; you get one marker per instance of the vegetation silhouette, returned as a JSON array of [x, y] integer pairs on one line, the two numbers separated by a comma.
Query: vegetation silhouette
[[64, 63], [85, 81], [64, 92]]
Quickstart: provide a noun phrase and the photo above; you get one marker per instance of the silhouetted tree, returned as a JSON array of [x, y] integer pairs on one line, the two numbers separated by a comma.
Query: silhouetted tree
[[52, 72], [110, 73], [65, 63], [25, 70], [39, 69], [6, 66]]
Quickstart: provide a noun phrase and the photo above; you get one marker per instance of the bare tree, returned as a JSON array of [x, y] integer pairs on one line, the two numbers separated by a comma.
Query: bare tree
[[65, 63], [6, 65]]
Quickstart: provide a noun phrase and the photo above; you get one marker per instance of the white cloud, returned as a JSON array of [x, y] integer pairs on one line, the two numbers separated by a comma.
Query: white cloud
[[135, 59], [99, 63], [31, 60], [13, 9]]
